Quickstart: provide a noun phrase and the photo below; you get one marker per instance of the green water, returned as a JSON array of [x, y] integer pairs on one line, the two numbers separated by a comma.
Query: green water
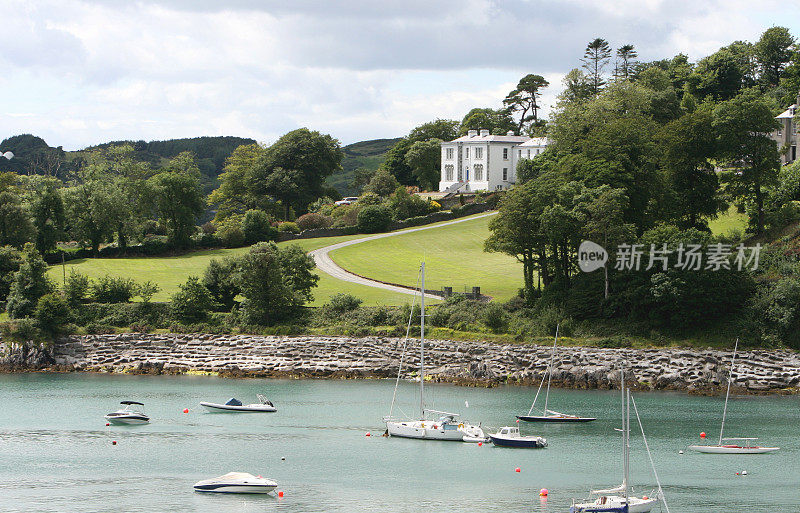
[[56, 452]]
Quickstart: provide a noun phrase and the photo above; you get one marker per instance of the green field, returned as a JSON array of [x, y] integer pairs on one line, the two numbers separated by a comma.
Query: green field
[[453, 254], [170, 272], [727, 221]]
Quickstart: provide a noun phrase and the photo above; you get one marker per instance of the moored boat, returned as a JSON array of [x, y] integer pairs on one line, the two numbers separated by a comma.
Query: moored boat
[[129, 415], [234, 405], [236, 482], [509, 436]]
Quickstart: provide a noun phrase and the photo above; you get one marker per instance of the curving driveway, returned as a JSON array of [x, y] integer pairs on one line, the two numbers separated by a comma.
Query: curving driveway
[[326, 264]]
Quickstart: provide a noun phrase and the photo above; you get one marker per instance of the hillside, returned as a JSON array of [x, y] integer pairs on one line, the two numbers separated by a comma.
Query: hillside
[[366, 154]]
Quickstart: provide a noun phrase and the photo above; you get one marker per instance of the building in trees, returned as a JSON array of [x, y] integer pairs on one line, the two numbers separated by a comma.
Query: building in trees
[[786, 135], [479, 161]]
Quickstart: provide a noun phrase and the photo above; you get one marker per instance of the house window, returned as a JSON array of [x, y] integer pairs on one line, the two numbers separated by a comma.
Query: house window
[[466, 153], [479, 172], [505, 174], [505, 153], [460, 175], [448, 173], [449, 154], [529, 153], [537, 151], [520, 154], [478, 153]]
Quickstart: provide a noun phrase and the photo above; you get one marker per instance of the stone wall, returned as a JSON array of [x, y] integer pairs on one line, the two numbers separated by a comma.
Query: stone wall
[[468, 363]]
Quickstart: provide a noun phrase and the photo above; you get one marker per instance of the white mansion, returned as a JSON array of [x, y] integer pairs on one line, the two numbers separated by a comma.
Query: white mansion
[[483, 162], [786, 135]]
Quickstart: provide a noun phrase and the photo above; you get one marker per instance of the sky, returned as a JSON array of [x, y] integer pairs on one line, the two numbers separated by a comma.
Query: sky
[[79, 73]]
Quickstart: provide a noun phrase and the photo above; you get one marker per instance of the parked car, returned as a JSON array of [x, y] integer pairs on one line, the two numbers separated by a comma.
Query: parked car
[[347, 201]]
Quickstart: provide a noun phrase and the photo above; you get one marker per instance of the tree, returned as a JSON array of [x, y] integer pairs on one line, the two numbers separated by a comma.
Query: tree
[[577, 87], [689, 145], [362, 177], [743, 125], [10, 261], [382, 184], [87, 206], [274, 282], [721, 75], [179, 198], [16, 226], [424, 158], [52, 314], [235, 194], [627, 55], [192, 303], [286, 186], [443, 129], [773, 52], [257, 227], [497, 122], [525, 99], [221, 281], [395, 163], [30, 283], [48, 218], [595, 58]]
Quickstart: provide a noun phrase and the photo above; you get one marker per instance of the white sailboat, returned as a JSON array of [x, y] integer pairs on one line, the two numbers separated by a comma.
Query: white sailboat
[[619, 499], [549, 415], [733, 445], [443, 425]]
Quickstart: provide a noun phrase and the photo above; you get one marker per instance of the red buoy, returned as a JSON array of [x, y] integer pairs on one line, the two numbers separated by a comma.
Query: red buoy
[[517, 421], [703, 434], [517, 469], [107, 424], [480, 444], [367, 434], [186, 410], [543, 492], [280, 494], [113, 442]]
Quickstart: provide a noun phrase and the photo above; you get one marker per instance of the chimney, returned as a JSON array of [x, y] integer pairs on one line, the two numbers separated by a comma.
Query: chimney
[[484, 133], [472, 133], [510, 132]]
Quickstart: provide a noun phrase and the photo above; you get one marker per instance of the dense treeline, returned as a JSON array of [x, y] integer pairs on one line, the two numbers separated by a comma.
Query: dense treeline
[[647, 155]]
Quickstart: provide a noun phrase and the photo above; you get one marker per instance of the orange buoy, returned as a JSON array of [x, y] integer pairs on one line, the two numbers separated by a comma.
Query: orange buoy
[[645, 497], [703, 434], [543, 492], [186, 410], [280, 494], [480, 444], [517, 469]]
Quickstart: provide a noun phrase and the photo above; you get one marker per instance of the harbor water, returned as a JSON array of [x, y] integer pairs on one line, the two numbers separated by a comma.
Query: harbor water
[[56, 453]]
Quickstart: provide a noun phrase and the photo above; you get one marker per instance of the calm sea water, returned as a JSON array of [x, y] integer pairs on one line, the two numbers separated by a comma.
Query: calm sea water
[[56, 453]]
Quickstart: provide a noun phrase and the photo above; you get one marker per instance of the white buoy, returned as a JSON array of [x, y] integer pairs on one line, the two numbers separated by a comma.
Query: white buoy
[[744, 472], [680, 452], [466, 404]]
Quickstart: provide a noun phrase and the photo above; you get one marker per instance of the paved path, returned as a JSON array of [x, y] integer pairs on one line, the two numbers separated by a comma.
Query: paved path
[[326, 264]]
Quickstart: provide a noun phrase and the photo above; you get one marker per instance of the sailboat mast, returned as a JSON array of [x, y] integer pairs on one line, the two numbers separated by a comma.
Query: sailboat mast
[[422, 344], [627, 441], [624, 441], [728, 393], [550, 370]]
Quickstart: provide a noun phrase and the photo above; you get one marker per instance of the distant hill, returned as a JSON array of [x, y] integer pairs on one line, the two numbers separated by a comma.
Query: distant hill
[[366, 154]]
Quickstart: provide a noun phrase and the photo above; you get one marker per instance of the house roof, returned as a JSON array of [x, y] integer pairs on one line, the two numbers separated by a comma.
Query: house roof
[[535, 142], [788, 113], [491, 138]]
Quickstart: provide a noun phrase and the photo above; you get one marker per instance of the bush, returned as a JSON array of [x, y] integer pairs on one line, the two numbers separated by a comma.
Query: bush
[[495, 318], [76, 287], [374, 219], [110, 289], [346, 215], [220, 280], [230, 233], [288, 227], [192, 303], [52, 314], [21, 330], [147, 290], [28, 285], [341, 303], [313, 221], [257, 227], [10, 261], [208, 228], [405, 205]]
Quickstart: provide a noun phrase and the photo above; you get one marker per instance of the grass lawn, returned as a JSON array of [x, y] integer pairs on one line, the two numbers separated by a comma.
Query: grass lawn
[[727, 221], [170, 272], [453, 254]]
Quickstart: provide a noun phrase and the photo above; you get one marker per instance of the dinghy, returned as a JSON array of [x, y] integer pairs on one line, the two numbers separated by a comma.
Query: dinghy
[[236, 482], [234, 405]]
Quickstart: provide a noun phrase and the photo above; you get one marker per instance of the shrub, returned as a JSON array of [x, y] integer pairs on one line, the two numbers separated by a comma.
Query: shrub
[[220, 280], [405, 205], [192, 302], [208, 228], [230, 232], [341, 303], [495, 318], [312, 221], [257, 227], [346, 215], [369, 198], [382, 183], [28, 285], [147, 290], [288, 227], [10, 261], [20, 330], [374, 219], [110, 289], [76, 287], [52, 314]]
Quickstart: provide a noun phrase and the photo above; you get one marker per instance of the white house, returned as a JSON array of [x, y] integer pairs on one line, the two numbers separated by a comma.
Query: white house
[[482, 162], [786, 136]]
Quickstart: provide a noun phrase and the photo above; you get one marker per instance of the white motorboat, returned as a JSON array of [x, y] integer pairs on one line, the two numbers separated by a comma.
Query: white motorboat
[[446, 426], [549, 415], [620, 499], [128, 415], [509, 436], [236, 482], [739, 445], [234, 405]]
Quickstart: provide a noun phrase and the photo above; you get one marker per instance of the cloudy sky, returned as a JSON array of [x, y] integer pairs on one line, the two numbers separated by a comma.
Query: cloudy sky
[[83, 72]]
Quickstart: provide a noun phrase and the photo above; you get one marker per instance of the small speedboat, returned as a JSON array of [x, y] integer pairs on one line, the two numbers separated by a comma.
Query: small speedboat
[[129, 414], [235, 405], [509, 436], [236, 482]]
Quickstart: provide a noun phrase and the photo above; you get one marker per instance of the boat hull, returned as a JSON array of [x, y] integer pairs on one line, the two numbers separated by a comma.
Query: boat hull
[[520, 443], [555, 419], [234, 488], [127, 420], [425, 430], [731, 449], [636, 505], [247, 408]]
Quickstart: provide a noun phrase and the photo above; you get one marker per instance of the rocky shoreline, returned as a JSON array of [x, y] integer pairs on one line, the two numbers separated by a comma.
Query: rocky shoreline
[[463, 363]]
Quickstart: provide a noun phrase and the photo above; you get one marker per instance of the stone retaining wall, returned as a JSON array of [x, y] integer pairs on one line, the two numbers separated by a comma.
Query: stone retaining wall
[[468, 363]]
